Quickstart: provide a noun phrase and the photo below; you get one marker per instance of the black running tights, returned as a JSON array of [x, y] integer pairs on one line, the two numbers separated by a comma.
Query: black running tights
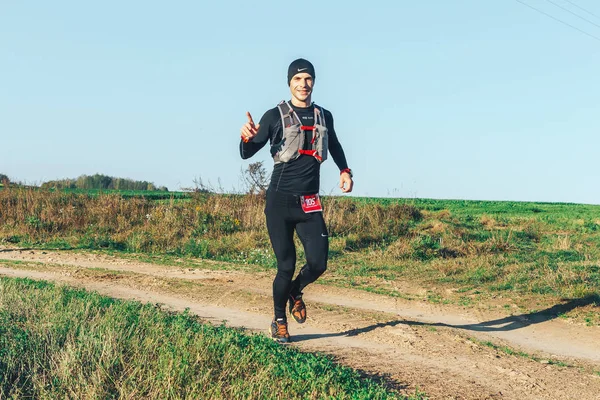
[[284, 215]]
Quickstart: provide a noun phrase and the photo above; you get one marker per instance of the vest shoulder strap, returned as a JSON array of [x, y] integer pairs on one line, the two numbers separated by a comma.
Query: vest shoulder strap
[[320, 115], [287, 114]]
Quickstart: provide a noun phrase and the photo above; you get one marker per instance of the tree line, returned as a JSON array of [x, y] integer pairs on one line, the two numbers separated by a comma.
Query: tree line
[[104, 182]]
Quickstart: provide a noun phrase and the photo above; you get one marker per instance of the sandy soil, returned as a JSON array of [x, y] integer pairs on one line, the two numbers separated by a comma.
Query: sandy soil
[[407, 344]]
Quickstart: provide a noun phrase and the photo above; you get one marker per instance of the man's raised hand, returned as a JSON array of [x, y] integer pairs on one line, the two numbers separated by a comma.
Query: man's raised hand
[[249, 130]]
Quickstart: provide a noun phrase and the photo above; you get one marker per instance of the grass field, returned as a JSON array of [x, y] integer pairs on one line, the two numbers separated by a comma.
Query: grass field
[[152, 195], [460, 251], [57, 342]]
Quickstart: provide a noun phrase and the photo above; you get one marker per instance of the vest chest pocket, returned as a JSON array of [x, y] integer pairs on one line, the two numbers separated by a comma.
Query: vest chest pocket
[[292, 140], [322, 142]]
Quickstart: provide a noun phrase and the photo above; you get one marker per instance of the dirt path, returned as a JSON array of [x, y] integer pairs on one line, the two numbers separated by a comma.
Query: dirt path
[[410, 344]]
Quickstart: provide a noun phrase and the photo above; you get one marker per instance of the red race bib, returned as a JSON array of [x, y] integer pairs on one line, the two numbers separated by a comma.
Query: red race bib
[[311, 203]]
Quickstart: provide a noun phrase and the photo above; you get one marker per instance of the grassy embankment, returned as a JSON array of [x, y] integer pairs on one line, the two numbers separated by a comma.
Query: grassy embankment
[[460, 251], [57, 342]]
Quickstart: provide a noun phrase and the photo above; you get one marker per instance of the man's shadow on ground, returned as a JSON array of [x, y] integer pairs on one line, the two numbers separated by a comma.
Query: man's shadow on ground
[[497, 325]]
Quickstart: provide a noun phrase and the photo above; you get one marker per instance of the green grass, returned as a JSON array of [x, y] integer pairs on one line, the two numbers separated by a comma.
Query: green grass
[[542, 210], [57, 342], [148, 194]]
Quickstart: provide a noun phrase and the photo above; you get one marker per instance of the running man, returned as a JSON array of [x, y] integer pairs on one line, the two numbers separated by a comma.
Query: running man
[[301, 134]]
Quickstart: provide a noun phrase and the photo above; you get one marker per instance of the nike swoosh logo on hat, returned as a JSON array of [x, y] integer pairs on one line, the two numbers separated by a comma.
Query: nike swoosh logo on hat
[[301, 69]]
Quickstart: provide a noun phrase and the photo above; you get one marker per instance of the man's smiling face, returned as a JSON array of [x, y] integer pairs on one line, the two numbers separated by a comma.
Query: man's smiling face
[[301, 86]]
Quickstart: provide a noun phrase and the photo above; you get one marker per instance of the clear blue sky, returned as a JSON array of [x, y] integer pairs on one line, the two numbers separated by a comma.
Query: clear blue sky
[[465, 99]]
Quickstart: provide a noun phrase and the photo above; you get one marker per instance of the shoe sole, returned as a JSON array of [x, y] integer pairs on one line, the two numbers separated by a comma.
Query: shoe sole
[[300, 321]]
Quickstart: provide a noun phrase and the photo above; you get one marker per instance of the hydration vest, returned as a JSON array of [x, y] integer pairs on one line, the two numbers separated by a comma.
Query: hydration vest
[[292, 142]]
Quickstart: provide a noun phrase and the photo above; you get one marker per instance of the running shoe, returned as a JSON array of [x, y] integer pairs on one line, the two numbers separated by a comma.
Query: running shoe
[[297, 308], [279, 331]]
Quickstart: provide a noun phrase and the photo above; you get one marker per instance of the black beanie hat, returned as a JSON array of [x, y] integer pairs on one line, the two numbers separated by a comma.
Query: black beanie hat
[[298, 66]]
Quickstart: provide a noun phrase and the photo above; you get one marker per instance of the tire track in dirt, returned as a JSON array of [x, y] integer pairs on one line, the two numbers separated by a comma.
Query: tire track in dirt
[[401, 340]]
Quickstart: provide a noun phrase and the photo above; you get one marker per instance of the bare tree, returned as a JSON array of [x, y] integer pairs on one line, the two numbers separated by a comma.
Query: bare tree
[[256, 178]]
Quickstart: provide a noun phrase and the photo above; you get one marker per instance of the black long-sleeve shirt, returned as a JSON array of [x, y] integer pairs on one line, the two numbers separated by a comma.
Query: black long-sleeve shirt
[[302, 175]]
